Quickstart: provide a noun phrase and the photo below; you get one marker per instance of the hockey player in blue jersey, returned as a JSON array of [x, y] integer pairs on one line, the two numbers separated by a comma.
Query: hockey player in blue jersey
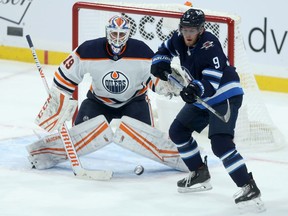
[[213, 80]]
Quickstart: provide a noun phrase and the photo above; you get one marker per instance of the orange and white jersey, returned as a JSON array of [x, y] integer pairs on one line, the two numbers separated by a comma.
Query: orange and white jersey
[[115, 79]]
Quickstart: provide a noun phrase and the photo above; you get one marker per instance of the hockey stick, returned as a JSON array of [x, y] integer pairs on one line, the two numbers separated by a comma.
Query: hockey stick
[[225, 118], [77, 168]]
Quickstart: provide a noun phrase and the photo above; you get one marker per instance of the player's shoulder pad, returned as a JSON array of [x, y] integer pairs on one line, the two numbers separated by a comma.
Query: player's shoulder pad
[[92, 48], [138, 49]]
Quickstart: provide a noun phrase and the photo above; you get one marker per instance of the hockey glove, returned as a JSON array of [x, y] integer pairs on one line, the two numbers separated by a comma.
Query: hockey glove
[[161, 67], [190, 93]]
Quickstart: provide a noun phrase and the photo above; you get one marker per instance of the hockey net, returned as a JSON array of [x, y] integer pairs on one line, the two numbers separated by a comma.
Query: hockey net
[[154, 23]]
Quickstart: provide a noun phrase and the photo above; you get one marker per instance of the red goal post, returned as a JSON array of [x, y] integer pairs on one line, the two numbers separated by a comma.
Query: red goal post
[[254, 124]]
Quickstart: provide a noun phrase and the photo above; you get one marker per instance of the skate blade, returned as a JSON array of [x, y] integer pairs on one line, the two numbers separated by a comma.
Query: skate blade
[[196, 188], [256, 205]]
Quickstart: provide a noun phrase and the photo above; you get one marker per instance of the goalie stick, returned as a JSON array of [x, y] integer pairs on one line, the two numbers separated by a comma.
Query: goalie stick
[[77, 168], [225, 118]]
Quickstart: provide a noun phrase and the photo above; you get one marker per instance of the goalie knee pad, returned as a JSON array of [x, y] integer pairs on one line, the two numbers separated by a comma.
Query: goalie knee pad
[[87, 137]]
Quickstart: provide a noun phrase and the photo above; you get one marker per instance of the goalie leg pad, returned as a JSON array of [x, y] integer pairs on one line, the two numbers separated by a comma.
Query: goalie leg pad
[[87, 137], [148, 142]]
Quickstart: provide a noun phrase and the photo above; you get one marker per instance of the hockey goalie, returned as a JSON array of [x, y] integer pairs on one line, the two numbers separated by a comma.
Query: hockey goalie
[[120, 70]]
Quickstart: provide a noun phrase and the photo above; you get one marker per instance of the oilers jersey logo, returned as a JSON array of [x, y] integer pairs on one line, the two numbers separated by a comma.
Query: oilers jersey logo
[[115, 82]]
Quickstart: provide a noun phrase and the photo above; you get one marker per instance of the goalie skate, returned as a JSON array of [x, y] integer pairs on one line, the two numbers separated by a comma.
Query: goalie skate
[[196, 181]]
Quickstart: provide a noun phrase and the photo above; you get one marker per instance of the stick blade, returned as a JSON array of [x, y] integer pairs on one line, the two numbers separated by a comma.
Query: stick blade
[[99, 175]]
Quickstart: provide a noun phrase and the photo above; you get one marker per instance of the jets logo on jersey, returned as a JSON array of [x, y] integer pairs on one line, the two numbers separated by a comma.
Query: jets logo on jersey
[[115, 82], [207, 45]]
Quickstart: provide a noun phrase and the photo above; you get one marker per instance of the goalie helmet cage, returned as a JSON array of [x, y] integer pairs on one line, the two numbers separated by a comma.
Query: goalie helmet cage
[[153, 24]]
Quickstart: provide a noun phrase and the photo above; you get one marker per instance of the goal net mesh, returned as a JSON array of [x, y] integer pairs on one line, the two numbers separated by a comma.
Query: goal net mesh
[[153, 24]]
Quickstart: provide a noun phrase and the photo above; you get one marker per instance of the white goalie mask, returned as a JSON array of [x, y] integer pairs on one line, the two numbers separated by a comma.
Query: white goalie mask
[[117, 33]]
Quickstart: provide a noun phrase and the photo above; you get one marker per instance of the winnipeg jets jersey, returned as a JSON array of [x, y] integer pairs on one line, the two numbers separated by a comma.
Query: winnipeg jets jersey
[[115, 79], [207, 63]]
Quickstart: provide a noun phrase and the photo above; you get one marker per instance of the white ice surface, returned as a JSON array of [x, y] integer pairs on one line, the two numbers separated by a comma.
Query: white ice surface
[[56, 192]]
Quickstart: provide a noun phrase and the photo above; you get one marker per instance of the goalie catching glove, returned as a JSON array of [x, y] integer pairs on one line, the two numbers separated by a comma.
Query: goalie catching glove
[[169, 89], [58, 108]]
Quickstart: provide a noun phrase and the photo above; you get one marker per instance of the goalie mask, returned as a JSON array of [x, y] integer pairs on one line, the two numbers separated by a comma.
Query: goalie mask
[[117, 33]]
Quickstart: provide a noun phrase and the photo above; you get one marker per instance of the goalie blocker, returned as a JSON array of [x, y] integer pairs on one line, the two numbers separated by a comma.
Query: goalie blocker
[[96, 133], [58, 108]]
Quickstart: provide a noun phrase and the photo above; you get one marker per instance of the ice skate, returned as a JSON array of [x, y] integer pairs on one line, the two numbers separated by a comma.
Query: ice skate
[[248, 198], [196, 181]]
